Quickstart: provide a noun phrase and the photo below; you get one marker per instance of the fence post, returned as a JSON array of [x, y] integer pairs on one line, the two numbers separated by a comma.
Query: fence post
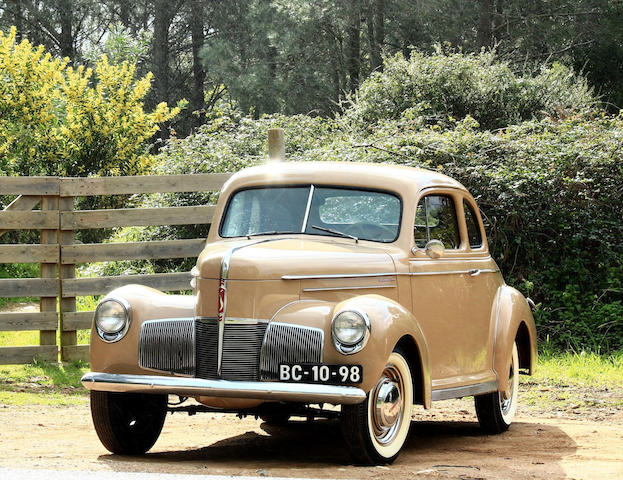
[[48, 270], [69, 338]]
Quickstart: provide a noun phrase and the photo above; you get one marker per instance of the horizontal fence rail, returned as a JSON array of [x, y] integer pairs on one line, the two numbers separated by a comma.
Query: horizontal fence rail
[[126, 217], [57, 253]]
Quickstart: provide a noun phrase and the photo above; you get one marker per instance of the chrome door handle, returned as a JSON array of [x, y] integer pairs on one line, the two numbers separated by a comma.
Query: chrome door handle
[[473, 272]]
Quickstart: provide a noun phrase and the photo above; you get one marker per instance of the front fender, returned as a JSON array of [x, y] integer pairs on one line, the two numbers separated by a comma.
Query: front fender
[[145, 304], [514, 321], [389, 324]]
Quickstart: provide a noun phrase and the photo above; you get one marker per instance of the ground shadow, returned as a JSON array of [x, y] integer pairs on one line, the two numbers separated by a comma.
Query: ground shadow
[[531, 449]]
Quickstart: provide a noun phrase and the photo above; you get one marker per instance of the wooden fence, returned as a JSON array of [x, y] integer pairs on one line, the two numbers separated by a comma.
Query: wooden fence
[[58, 254]]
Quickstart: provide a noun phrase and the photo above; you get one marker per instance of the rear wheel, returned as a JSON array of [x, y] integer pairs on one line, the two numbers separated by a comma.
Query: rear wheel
[[128, 423], [376, 429], [496, 410]]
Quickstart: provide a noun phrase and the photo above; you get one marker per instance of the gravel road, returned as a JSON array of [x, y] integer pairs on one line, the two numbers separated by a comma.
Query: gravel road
[[442, 444]]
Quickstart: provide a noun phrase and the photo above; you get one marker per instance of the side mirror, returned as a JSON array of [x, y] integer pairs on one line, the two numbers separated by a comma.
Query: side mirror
[[435, 249]]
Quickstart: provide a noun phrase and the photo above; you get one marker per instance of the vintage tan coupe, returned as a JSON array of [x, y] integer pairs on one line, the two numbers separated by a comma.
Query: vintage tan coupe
[[369, 287]]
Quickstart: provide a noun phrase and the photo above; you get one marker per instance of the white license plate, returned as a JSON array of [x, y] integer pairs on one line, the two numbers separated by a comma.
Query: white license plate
[[321, 373]]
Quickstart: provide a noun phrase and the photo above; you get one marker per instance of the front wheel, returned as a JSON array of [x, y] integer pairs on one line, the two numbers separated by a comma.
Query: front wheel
[[496, 410], [376, 429], [128, 423]]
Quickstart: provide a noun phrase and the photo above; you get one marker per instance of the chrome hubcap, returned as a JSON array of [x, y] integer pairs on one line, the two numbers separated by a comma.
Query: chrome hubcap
[[388, 405], [506, 398]]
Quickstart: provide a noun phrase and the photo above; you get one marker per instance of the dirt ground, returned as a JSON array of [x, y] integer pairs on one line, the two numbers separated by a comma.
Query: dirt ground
[[444, 443], [570, 432]]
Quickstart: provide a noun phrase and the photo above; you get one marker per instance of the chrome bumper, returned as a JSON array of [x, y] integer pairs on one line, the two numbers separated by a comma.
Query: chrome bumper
[[270, 391]]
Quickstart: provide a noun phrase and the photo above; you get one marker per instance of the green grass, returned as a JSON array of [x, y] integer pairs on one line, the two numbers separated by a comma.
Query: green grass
[[19, 339], [51, 398], [571, 384], [584, 369], [43, 383], [42, 374]]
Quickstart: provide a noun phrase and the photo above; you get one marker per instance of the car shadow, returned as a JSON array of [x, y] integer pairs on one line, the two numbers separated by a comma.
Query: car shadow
[[456, 447]]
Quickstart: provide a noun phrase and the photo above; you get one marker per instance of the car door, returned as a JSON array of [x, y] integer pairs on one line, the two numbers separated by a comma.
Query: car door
[[453, 295]]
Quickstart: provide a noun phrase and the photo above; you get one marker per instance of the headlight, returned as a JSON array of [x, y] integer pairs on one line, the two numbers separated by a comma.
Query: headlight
[[112, 319], [350, 331]]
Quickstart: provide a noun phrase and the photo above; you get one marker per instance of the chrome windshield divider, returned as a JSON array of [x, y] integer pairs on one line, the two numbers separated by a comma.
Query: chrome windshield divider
[[307, 208]]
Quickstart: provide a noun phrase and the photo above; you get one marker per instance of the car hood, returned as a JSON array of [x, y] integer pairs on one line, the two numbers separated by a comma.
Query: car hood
[[271, 258]]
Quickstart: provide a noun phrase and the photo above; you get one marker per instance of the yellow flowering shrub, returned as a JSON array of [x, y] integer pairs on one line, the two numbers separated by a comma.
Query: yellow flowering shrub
[[60, 120]]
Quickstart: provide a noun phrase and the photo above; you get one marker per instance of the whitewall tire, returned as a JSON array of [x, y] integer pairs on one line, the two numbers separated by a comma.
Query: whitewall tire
[[376, 429], [496, 410]]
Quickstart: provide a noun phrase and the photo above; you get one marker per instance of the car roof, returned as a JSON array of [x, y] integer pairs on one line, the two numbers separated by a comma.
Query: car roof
[[369, 175]]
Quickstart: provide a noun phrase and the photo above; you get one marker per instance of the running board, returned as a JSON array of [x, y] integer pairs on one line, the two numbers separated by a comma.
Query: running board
[[464, 391]]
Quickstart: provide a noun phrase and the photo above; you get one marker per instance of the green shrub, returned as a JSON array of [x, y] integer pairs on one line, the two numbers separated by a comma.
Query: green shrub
[[444, 85], [60, 120], [550, 191]]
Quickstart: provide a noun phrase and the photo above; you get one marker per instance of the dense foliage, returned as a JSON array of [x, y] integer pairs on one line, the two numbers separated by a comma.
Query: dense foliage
[[60, 120], [453, 85], [550, 190]]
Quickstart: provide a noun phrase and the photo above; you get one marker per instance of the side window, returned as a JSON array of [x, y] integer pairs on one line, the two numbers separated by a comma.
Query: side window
[[435, 219], [473, 230]]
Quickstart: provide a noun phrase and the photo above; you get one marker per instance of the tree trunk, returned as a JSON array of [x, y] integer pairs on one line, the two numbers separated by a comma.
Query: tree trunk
[[354, 45], [66, 40], [124, 14], [485, 28], [160, 53], [379, 27], [199, 75], [376, 33], [16, 12]]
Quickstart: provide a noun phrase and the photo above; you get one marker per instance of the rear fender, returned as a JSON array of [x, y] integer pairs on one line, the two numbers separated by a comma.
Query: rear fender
[[514, 322]]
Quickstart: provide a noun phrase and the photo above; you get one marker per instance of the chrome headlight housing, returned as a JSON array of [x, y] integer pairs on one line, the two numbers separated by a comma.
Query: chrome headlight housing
[[112, 319], [350, 330]]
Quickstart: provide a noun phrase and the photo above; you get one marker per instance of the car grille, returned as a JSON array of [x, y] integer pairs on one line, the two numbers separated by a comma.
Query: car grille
[[241, 351], [252, 350], [285, 343], [206, 356], [168, 346]]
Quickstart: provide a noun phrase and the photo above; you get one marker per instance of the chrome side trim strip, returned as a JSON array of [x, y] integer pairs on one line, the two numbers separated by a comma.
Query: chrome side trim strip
[[456, 272], [273, 391], [383, 274], [341, 275], [451, 259], [464, 391], [359, 287]]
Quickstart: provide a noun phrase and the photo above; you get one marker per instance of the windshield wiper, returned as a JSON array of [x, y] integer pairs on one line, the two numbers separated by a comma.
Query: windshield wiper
[[335, 232], [270, 232]]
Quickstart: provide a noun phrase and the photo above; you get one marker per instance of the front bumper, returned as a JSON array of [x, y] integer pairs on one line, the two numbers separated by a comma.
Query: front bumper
[[270, 391]]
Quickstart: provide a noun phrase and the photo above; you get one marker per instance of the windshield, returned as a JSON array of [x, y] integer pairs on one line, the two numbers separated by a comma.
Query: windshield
[[360, 214]]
